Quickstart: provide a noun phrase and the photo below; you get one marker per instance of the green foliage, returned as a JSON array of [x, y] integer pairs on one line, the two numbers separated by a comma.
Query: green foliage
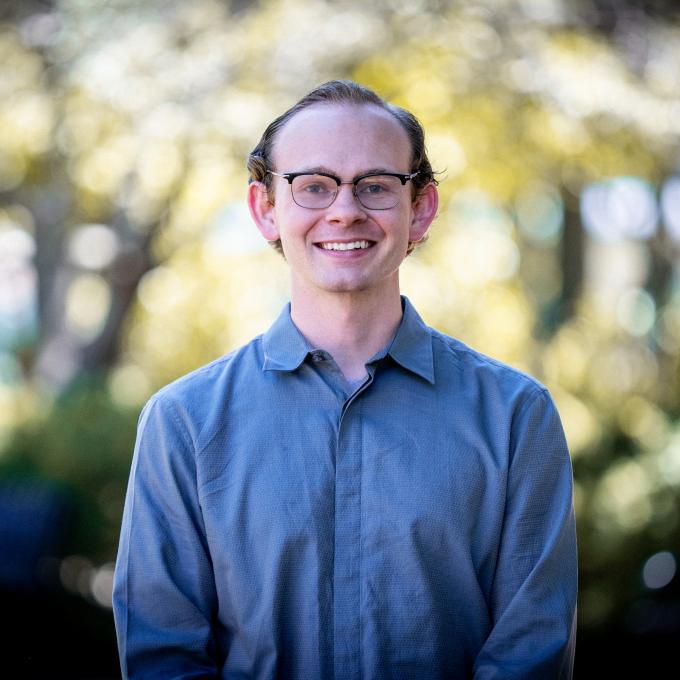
[[83, 446]]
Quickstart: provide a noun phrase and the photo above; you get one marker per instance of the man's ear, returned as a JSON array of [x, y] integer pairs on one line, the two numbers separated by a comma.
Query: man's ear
[[424, 211], [262, 211]]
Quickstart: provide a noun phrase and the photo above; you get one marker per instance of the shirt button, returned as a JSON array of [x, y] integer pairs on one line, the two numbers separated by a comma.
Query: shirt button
[[318, 356]]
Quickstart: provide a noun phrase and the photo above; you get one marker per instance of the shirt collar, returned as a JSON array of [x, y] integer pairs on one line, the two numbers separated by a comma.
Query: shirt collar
[[285, 348], [412, 345]]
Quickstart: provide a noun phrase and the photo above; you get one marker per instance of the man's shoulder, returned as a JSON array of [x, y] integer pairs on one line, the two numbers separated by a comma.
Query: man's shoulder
[[195, 406], [473, 365], [205, 383]]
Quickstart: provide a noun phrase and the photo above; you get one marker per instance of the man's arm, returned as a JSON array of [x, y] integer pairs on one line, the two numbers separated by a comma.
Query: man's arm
[[164, 593], [533, 599]]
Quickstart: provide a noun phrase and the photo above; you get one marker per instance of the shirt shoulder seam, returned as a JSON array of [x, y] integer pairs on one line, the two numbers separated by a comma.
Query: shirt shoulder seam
[[198, 372], [456, 347], [168, 397]]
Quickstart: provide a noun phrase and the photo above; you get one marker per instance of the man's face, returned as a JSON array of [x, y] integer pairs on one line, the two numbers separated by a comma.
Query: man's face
[[346, 141]]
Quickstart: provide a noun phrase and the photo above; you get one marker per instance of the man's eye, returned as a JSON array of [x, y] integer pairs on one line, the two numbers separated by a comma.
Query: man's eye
[[373, 189], [315, 188]]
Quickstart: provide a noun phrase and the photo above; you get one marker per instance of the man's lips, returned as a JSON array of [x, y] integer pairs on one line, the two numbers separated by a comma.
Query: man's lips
[[358, 244]]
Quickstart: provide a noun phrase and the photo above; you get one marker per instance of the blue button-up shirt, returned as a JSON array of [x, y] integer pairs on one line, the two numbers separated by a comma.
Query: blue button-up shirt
[[281, 524]]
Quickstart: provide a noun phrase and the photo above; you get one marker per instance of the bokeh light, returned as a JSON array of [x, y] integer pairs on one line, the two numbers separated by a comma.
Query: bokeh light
[[636, 311], [101, 585], [668, 461], [659, 570], [93, 246], [622, 498], [479, 248], [87, 304], [670, 206], [233, 234], [540, 213], [18, 286], [129, 385], [623, 207]]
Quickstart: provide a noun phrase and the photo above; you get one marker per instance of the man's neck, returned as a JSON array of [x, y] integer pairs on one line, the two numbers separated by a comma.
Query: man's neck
[[352, 327]]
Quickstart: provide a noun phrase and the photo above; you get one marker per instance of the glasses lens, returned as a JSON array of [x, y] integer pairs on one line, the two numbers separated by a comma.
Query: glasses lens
[[314, 191], [379, 192]]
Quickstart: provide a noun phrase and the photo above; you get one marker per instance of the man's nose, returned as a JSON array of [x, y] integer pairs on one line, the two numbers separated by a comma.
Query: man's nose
[[346, 206]]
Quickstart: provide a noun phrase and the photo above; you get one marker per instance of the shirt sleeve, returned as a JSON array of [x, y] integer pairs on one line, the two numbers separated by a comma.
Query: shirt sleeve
[[164, 596], [533, 598]]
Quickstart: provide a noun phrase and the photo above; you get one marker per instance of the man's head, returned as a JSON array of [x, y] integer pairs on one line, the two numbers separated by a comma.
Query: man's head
[[335, 191], [342, 92]]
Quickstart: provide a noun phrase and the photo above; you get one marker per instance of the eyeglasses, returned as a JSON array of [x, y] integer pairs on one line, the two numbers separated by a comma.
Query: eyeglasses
[[318, 190]]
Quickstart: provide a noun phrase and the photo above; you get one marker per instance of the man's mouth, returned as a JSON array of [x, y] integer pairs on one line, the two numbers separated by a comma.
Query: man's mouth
[[352, 245]]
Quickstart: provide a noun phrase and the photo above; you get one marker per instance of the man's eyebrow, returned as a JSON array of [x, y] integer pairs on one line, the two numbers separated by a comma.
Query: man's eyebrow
[[317, 169]]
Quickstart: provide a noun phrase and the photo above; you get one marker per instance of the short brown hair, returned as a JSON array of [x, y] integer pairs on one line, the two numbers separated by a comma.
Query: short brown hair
[[342, 92]]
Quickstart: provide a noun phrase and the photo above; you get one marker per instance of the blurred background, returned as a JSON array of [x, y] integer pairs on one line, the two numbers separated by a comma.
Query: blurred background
[[127, 258]]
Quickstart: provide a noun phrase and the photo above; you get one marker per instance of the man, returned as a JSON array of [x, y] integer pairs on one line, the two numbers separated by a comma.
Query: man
[[352, 494]]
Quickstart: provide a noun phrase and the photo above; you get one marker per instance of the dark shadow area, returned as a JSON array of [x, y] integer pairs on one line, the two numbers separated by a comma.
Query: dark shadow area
[[57, 635], [47, 631], [614, 655]]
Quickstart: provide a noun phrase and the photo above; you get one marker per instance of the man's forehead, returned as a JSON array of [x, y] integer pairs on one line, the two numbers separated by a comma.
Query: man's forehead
[[324, 131]]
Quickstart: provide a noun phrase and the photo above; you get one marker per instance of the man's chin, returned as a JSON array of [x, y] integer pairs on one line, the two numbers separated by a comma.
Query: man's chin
[[346, 287]]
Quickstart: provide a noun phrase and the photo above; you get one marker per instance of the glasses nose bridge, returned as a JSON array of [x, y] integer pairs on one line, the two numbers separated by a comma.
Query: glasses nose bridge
[[353, 189]]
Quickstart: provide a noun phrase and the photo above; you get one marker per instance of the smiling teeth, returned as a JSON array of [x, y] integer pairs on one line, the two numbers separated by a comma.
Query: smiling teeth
[[354, 245]]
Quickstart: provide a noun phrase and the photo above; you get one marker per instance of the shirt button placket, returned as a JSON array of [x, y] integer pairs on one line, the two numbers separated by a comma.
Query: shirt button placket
[[347, 576]]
